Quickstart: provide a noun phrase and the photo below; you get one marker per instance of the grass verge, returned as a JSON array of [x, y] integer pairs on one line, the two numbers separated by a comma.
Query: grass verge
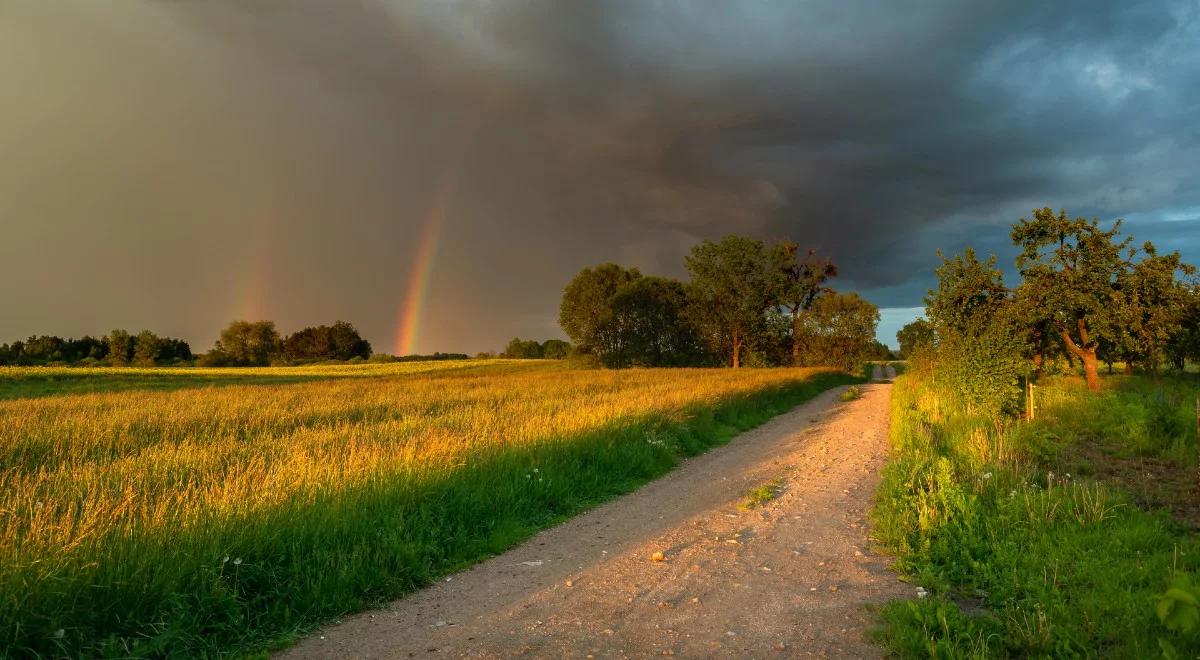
[[1022, 555]]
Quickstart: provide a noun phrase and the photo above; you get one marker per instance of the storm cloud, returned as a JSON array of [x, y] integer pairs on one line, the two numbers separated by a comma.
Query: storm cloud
[[174, 165]]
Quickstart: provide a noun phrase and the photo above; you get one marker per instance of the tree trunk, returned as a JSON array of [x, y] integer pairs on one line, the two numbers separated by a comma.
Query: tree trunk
[[737, 353], [1085, 351], [796, 337], [1039, 361], [1128, 367], [1088, 356]]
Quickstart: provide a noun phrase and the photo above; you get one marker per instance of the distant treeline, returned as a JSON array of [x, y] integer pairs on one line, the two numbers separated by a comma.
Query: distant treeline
[[242, 343], [745, 304], [118, 348]]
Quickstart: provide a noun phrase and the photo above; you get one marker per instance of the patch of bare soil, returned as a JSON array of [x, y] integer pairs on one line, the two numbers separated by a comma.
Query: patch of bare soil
[[784, 573], [1153, 483]]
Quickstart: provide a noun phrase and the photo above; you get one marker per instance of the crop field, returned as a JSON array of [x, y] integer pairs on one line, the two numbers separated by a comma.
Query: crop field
[[207, 511]]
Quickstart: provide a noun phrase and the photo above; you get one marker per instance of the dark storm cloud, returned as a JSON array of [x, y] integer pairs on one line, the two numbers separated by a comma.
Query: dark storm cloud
[[173, 164]]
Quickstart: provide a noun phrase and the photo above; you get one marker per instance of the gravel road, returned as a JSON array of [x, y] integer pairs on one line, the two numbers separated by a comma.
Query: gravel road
[[790, 577]]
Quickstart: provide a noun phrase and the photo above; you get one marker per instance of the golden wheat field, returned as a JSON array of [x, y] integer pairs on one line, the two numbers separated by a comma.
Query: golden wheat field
[[146, 511]]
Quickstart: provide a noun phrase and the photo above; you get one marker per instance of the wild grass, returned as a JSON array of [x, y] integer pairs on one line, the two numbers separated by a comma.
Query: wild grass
[[211, 520], [34, 382], [760, 495], [1022, 557], [850, 393]]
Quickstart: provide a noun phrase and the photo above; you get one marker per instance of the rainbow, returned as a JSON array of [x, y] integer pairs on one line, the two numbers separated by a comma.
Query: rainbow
[[416, 299], [413, 310]]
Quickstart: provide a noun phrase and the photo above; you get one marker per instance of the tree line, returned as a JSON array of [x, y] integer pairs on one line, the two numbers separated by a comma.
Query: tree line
[[1086, 295], [745, 303], [242, 343], [117, 348]]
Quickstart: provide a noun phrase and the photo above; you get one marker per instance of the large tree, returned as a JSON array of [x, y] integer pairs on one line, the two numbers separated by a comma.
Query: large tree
[[1185, 344], [120, 348], [802, 276], [731, 289], [914, 336], [555, 349], [649, 315], [246, 343], [1071, 270], [587, 306], [146, 347], [1152, 302], [839, 331]]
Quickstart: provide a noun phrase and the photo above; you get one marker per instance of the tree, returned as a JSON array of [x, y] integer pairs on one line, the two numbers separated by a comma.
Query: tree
[[340, 341], [979, 355], [838, 330], [914, 336], [587, 305], [1070, 269], [145, 348], [523, 349], [120, 348], [1185, 344], [1151, 302], [555, 349], [970, 294], [802, 278], [244, 343], [347, 343], [731, 289], [649, 327]]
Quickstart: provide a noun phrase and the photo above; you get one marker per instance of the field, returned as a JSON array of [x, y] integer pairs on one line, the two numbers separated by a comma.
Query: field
[[200, 512], [1051, 538]]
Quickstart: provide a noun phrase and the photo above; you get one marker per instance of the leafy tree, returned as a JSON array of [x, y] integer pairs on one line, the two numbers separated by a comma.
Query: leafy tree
[[1151, 303], [649, 327], [1071, 270], [555, 349], [245, 343], [914, 337], [979, 357], [44, 348], [1185, 344], [731, 289], [523, 349], [838, 330], [802, 277], [340, 341], [173, 350], [120, 348], [970, 294], [145, 348], [587, 305]]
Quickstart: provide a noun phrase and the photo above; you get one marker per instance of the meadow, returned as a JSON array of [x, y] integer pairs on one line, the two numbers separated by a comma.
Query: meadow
[[196, 512], [1059, 537]]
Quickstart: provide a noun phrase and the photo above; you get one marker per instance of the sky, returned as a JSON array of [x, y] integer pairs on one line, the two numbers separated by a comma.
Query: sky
[[436, 172]]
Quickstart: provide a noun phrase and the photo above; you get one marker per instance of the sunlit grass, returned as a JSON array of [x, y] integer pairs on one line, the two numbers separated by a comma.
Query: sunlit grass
[[1022, 552], [206, 519]]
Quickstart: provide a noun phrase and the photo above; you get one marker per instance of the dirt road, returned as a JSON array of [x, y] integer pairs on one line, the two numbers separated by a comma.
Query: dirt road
[[788, 578]]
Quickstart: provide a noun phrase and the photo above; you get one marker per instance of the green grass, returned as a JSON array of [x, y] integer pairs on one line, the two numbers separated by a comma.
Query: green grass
[[759, 496], [1021, 555], [232, 519], [850, 393], [38, 382]]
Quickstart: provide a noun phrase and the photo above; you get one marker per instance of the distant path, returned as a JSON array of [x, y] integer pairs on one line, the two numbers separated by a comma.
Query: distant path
[[789, 578]]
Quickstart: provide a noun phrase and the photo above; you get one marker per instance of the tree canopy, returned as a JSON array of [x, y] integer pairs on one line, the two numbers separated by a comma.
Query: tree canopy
[[733, 284]]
